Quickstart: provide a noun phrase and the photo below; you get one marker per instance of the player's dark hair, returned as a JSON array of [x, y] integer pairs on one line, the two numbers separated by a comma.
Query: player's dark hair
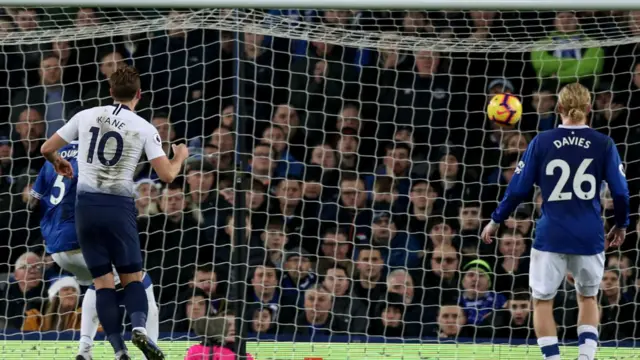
[[125, 84]]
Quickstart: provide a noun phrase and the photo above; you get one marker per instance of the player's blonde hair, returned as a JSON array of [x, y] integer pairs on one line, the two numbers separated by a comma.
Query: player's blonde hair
[[575, 101]]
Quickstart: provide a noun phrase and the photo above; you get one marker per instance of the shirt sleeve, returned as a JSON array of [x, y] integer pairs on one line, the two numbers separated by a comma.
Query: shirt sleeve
[[69, 131], [521, 184], [617, 181], [153, 145], [40, 185]]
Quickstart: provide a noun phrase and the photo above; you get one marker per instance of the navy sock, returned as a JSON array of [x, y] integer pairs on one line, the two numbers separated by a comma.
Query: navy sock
[[109, 315], [135, 301]]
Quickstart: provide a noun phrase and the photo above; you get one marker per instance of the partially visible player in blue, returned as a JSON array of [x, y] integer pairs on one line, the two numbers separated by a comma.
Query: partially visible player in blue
[[55, 196], [111, 141], [568, 164]]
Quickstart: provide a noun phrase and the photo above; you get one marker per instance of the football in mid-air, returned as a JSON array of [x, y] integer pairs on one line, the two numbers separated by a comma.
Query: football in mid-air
[[505, 109]]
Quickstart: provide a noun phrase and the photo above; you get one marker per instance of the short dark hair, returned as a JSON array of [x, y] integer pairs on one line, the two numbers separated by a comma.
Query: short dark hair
[[368, 247], [350, 176], [124, 83], [520, 295]]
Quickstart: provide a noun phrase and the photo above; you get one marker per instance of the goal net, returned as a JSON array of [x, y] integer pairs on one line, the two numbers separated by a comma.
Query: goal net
[[366, 164]]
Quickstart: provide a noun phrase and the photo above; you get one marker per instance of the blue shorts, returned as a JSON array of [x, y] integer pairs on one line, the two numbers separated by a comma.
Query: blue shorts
[[108, 233]]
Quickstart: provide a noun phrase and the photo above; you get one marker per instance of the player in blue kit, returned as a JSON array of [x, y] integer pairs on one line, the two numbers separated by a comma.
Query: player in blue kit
[[568, 164], [111, 141], [55, 196]]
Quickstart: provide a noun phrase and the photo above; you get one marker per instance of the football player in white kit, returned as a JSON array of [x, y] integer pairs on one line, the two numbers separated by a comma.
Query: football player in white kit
[[111, 141]]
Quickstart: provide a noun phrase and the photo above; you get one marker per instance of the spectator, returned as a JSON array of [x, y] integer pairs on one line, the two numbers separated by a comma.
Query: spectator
[[452, 322], [192, 305], [262, 165], [345, 304], [423, 205], [209, 279], [568, 65], [171, 243], [517, 322], [618, 314], [19, 229], [543, 102], [479, 303], [369, 285], [24, 291], [55, 101], [316, 318], [26, 151], [178, 87], [398, 248], [397, 165], [320, 80], [512, 267], [99, 95], [348, 147], [221, 153], [264, 76], [263, 321], [439, 279], [399, 282], [146, 197], [201, 177], [389, 320], [470, 227], [385, 193], [62, 312], [351, 210], [287, 118], [298, 276], [300, 218], [275, 242], [335, 250], [256, 199], [443, 230], [266, 292]]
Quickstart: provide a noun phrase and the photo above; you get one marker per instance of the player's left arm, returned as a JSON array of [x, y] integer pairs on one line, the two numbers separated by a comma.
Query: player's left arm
[[617, 181], [38, 189], [521, 184]]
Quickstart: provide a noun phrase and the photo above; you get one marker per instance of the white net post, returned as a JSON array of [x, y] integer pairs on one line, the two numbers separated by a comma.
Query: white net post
[[367, 171]]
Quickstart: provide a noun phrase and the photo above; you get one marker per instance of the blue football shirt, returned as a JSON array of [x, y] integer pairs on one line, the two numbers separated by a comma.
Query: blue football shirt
[[57, 196], [569, 164]]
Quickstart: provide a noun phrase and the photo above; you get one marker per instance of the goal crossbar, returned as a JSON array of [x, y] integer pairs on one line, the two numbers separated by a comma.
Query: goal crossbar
[[352, 4]]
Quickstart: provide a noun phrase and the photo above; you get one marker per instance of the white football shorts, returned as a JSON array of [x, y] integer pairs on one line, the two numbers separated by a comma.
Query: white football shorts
[[547, 270], [73, 262]]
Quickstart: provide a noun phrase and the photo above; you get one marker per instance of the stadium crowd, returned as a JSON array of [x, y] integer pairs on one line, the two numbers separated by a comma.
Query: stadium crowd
[[368, 173]]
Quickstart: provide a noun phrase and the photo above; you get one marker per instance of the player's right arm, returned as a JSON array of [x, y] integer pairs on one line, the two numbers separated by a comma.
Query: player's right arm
[[166, 169], [617, 181]]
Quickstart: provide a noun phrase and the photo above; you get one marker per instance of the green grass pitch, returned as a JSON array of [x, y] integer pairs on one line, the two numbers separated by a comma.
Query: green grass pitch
[[49, 350]]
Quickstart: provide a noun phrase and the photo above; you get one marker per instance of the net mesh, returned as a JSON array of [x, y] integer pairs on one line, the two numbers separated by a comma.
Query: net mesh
[[368, 170]]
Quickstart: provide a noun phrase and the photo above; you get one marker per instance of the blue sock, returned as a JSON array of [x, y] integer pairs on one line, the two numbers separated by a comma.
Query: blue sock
[[109, 315], [135, 301]]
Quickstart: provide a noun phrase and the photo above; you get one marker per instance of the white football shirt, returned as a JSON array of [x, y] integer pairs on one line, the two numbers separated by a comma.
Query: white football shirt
[[111, 140]]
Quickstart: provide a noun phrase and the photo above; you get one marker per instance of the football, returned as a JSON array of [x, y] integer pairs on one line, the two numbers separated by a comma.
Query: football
[[505, 109]]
